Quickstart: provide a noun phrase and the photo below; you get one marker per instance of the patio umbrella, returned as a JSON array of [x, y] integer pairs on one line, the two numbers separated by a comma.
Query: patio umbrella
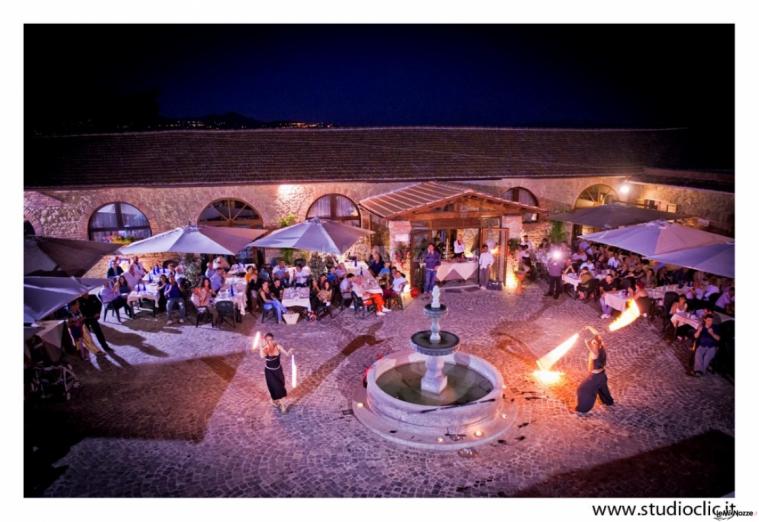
[[716, 259], [612, 216], [195, 239], [54, 256], [45, 295], [315, 235], [656, 237]]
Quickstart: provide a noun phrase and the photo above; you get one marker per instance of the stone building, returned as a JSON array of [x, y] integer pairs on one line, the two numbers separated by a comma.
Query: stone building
[[131, 185]]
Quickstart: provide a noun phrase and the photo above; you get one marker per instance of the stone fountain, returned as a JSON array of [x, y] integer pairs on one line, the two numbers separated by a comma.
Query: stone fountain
[[434, 396]]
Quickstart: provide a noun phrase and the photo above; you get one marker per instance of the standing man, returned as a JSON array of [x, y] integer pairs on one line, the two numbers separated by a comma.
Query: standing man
[[555, 269], [486, 261], [431, 261], [595, 384], [90, 307], [458, 248], [707, 339]]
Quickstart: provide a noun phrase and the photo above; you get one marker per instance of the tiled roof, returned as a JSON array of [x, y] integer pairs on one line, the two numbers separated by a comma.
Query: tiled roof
[[373, 154], [430, 193]]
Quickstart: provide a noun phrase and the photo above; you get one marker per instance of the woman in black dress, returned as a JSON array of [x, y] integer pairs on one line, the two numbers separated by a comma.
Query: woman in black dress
[[270, 350], [595, 384]]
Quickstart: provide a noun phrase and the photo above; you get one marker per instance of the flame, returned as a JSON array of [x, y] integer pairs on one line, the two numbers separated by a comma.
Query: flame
[[256, 340], [547, 376], [511, 280], [626, 318], [548, 360]]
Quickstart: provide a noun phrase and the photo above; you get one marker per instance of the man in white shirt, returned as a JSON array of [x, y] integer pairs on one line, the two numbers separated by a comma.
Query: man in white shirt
[[399, 282], [132, 276], [711, 288], [486, 261], [613, 262], [725, 299], [301, 275], [458, 248]]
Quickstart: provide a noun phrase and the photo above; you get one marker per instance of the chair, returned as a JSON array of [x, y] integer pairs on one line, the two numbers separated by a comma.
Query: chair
[[226, 309], [395, 299], [202, 313], [360, 306], [266, 310]]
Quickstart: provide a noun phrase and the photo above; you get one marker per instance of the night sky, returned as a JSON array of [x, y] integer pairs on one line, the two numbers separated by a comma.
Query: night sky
[[573, 76]]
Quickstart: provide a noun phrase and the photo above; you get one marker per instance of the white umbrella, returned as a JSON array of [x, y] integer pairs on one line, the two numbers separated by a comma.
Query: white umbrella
[[716, 259], [656, 237], [45, 295], [195, 239], [62, 257], [315, 235]]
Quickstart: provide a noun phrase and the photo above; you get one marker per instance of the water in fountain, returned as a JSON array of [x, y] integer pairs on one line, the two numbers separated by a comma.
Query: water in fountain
[[464, 385]]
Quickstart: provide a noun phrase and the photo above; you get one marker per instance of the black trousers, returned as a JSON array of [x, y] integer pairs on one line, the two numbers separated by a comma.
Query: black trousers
[[594, 385], [94, 326], [554, 285]]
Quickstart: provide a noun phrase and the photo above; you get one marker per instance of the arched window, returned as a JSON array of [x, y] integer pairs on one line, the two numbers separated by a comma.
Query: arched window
[[524, 196], [337, 208], [118, 222], [230, 213], [28, 228], [596, 195]]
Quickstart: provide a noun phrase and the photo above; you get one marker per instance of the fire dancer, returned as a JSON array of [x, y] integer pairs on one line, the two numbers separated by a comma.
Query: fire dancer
[[595, 384], [270, 350]]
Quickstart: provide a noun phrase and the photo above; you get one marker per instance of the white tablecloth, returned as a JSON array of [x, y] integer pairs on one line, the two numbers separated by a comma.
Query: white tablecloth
[[239, 299], [451, 270], [296, 297], [356, 269], [616, 300], [150, 293], [694, 319]]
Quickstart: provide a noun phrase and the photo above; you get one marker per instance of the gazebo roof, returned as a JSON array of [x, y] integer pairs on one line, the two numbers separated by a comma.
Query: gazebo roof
[[432, 194]]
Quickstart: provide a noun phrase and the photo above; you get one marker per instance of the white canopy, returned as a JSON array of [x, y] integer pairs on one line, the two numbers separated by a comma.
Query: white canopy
[[315, 235], [195, 239], [716, 259], [657, 237], [45, 295]]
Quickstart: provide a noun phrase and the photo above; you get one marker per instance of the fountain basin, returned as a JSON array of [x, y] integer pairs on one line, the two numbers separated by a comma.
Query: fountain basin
[[468, 412], [422, 342]]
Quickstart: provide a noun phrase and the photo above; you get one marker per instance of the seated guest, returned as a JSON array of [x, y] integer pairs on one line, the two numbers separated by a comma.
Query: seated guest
[[252, 285], [695, 292], [346, 287], [123, 286], [217, 279], [324, 297], [203, 298], [641, 298], [711, 288], [385, 272], [376, 264], [174, 299], [269, 301], [179, 272], [707, 341], [249, 272], [113, 299], [679, 307], [607, 285], [301, 275], [649, 278], [264, 274], [341, 271], [332, 276], [313, 293], [613, 261], [725, 300], [399, 282], [210, 271], [114, 268], [276, 289], [568, 267], [579, 255], [369, 297], [156, 271], [587, 286], [281, 272], [587, 265]]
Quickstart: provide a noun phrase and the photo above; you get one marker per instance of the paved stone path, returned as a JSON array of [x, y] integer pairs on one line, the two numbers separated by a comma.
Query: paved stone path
[[180, 411]]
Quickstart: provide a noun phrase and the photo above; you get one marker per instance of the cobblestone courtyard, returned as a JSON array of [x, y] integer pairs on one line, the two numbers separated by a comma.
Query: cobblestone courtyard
[[180, 411]]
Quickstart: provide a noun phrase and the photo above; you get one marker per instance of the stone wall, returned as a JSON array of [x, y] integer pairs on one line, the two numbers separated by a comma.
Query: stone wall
[[66, 213]]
